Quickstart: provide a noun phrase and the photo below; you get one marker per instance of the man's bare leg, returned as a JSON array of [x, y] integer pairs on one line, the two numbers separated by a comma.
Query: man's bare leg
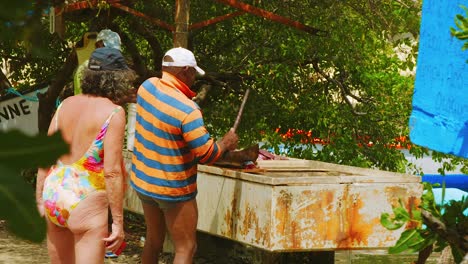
[[181, 222], [155, 233]]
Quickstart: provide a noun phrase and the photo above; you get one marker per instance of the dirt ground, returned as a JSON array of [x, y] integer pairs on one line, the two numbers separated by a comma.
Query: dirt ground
[[14, 250], [211, 250]]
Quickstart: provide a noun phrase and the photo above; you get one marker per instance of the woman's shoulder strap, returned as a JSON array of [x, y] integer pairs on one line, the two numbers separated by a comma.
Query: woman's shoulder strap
[[117, 109]]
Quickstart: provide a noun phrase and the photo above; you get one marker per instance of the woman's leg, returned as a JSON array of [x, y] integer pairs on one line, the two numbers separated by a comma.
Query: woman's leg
[[60, 244], [88, 222], [155, 233]]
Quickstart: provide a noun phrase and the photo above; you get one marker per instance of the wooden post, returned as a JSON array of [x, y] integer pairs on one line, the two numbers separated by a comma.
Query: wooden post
[[182, 16]]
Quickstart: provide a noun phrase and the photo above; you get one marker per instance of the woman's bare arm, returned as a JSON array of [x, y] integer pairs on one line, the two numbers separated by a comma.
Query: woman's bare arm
[[114, 177]]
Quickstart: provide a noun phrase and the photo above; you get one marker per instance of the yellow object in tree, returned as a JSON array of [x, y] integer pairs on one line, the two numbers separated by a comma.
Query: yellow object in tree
[[84, 52]]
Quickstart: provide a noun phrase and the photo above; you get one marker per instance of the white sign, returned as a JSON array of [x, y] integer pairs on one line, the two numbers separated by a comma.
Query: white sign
[[20, 113]]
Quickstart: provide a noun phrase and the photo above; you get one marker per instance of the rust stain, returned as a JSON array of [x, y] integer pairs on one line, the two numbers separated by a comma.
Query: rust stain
[[282, 215], [229, 217], [323, 218], [294, 235], [311, 221], [228, 222], [320, 216], [328, 226], [263, 235], [343, 224], [358, 230], [412, 204], [249, 222], [283, 203], [394, 194]]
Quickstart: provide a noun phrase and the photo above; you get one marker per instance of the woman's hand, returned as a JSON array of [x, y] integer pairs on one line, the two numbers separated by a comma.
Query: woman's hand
[[115, 239], [41, 176]]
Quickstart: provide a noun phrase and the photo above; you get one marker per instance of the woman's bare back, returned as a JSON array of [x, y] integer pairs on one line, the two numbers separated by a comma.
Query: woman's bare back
[[80, 119]]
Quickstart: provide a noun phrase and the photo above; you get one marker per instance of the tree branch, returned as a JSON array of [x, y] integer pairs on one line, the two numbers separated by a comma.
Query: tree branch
[[450, 235], [4, 82], [340, 86], [158, 53]]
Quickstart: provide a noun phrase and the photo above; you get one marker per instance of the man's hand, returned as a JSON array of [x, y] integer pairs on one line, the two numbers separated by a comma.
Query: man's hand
[[229, 141]]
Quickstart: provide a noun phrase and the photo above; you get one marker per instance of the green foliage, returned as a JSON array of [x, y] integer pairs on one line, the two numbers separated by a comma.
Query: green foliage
[[298, 80], [343, 87], [421, 236], [400, 217], [14, 11], [28, 51], [411, 241], [450, 163], [461, 32], [17, 201]]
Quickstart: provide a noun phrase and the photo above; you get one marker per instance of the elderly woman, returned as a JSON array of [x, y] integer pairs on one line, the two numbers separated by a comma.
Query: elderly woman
[[74, 195]]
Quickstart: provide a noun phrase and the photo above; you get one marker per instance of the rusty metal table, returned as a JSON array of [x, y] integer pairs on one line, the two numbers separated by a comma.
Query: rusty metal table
[[300, 205]]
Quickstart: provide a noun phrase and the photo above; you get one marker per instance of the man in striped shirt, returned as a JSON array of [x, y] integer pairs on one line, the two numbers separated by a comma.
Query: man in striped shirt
[[170, 140]]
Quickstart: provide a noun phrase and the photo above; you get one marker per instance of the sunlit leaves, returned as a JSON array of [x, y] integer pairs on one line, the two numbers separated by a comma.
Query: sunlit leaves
[[418, 237], [412, 240], [461, 32]]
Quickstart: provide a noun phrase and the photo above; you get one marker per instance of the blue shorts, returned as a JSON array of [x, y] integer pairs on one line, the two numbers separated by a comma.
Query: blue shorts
[[163, 205]]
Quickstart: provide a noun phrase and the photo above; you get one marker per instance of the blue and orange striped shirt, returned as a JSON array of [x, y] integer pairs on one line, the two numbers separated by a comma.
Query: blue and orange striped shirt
[[170, 140]]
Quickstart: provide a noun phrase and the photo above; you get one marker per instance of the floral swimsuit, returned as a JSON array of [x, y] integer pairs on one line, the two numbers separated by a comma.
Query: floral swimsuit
[[67, 185]]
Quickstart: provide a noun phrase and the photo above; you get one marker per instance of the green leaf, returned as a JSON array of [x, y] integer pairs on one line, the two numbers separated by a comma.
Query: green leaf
[[427, 240], [401, 213], [457, 254], [18, 206], [390, 223], [428, 201], [407, 241], [400, 217], [20, 151], [463, 35], [465, 46], [464, 21], [417, 216]]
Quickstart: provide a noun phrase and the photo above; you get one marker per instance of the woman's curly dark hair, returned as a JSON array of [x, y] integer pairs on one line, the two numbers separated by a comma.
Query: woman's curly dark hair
[[114, 85]]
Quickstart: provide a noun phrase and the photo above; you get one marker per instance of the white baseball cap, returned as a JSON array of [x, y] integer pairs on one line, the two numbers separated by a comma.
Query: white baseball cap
[[182, 57]]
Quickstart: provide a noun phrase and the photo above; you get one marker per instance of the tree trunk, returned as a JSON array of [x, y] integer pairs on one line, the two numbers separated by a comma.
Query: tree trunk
[[4, 82], [47, 100], [182, 18]]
